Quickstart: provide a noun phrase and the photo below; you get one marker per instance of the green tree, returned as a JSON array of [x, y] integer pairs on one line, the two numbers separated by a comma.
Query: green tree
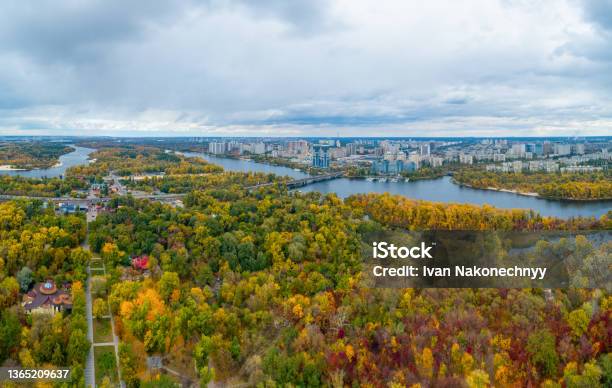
[[127, 360], [24, 278], [167, 284], [542, 351], [207, 375], [78, 347], [590, 377], [9, 333]]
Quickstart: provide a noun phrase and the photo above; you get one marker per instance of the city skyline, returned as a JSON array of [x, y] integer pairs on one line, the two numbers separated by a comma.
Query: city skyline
[[472, 68]]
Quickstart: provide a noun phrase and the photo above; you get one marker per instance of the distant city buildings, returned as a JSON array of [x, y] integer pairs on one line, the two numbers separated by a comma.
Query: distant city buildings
[[396, 156]]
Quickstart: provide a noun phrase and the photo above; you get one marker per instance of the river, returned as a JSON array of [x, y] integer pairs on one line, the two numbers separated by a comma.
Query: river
[[77, 157], [438, 190], [243, 165]]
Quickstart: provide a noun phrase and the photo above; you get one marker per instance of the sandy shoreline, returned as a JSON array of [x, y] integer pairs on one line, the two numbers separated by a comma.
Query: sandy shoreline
[[528, 194], [8, 167]]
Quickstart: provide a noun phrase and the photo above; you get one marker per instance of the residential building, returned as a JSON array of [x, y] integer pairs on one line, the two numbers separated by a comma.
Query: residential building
[[519, 149], [425, 149], [297, 146], [320, 156], [563, 149], [351, 149], [217, 148], [466, 159], [499, 157], [259, 148], [47, 298], [547, 148]]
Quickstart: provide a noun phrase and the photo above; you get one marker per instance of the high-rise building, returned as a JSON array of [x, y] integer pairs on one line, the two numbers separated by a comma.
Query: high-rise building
[[399, 166], [563, 149], [320, 156], [217, 147], [499, 157], [259, 148], [351, 149], [518, 149], [466, 159], [539, 149], [416, 160], [336, 153], [425, 149], [410, 166], [297, 146]]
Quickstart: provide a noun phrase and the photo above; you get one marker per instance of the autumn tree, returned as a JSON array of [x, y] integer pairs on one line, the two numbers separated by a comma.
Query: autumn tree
[[100, 308]]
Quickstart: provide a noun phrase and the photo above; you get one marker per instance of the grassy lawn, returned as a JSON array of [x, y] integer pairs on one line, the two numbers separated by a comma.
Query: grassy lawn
[[96, 264], [102, 330], [95, 271], [104, 357]]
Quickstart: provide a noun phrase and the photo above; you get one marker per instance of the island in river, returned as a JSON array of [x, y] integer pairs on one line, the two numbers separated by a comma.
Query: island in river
[[19, 156]]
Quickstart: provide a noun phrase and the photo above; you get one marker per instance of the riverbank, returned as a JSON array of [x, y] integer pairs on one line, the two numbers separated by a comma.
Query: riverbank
[[436, 190], [531, 194], [8, 167], [53, 168]]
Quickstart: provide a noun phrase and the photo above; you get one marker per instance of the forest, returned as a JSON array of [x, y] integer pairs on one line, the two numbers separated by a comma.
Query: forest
[[264, 287], [426, 173], [29, 155], [128, 160], [40, 187], [577, 186], [36, 245]]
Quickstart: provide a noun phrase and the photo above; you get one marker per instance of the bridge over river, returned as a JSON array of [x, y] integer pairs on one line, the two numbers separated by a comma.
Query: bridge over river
[[301, 182]]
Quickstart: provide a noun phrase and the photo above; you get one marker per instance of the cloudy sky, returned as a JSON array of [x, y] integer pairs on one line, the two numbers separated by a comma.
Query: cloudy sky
[[306, 67]]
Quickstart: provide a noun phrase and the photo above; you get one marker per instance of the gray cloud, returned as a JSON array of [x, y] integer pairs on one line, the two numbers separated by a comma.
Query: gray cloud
[[306, 16], [600, 12], [72, 31], [402, 67], [598, 45]]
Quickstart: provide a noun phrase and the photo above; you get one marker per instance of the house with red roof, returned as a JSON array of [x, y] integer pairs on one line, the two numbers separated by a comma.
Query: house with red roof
[[140, 263]]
